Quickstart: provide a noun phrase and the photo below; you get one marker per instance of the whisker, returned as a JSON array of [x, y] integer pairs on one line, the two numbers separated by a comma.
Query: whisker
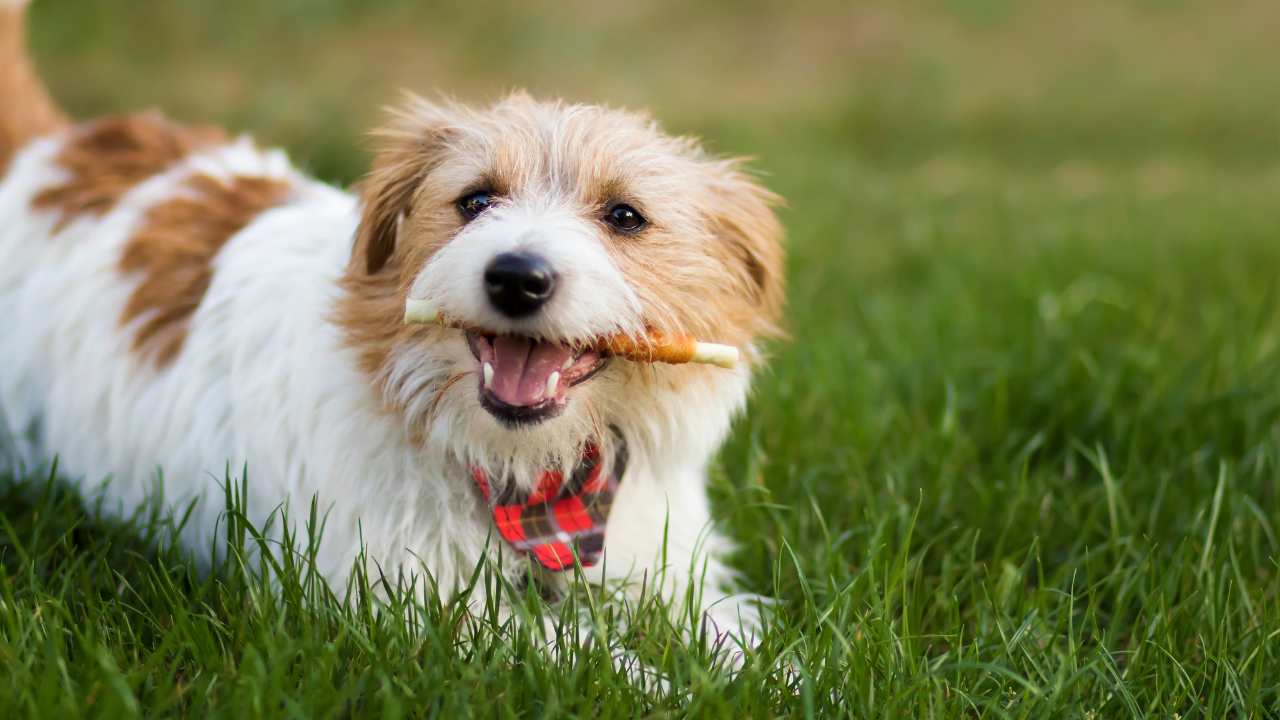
[[439, 394]]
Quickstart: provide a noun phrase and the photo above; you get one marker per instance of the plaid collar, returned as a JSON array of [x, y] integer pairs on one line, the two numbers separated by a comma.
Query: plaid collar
[[558, 515]]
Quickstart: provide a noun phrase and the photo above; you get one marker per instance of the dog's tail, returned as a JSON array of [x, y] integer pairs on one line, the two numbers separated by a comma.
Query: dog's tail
[[26, 111]]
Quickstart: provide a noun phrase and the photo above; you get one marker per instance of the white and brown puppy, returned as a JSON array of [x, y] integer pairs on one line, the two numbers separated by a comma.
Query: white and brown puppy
[[173, 299]]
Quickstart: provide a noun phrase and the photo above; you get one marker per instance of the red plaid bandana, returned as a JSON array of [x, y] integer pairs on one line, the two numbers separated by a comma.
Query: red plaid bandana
[[557, 514]]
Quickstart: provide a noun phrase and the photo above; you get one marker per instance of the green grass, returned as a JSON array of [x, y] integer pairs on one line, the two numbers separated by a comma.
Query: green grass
[[1020, 457]]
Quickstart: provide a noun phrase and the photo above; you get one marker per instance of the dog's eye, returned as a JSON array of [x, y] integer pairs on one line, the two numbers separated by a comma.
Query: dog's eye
[[475, 203], [625, 217]]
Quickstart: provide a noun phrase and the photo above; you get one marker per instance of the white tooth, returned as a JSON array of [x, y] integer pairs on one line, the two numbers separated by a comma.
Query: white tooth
[[567, 362], [488, 376], [553, 382]]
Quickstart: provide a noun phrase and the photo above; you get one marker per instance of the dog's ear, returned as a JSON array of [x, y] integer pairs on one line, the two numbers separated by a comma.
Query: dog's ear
[[742, 217], [410, 146]]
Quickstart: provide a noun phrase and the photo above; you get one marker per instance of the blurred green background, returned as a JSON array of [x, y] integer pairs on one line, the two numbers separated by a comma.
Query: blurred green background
[[1029, 84]]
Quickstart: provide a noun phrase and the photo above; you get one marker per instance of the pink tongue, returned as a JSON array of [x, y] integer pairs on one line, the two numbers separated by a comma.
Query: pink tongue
[[521, 368]]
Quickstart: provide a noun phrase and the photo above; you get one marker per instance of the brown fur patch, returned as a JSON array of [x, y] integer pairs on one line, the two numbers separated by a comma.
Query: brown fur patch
[[109, 157], [376, 282], [26, 112], [175, 249]]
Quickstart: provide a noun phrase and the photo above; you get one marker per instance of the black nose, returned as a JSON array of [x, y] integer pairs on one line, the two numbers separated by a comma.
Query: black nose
[[519, 283]]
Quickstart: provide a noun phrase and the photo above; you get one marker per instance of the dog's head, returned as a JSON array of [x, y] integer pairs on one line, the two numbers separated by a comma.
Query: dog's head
[[544, 226]]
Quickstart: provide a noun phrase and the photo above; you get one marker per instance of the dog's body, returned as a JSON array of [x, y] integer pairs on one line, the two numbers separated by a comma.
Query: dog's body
[[173, 300]]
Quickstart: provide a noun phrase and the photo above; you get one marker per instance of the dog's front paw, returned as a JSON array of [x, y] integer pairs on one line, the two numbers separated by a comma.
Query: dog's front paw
[[732, 625]]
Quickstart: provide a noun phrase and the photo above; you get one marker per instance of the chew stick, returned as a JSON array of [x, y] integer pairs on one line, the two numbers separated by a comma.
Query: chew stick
[[653, 346]]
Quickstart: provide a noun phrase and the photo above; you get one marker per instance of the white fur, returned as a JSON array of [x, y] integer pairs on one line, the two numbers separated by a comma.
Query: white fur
[[264, 381], [591, 299]]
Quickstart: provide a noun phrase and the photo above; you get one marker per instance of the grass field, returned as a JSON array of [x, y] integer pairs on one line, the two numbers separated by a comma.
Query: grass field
[[1020, 457]]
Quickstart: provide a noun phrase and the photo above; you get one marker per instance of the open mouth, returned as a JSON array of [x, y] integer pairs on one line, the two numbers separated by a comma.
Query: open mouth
[[524, 381]]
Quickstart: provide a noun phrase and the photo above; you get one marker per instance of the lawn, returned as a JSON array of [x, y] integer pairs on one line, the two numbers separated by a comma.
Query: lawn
[[1019, 457]]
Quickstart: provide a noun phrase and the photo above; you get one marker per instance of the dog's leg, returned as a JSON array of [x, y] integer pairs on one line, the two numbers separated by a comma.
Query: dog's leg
[[661, 540]]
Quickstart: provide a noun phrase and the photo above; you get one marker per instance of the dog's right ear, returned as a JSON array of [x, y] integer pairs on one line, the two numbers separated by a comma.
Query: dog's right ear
[[410, 145]]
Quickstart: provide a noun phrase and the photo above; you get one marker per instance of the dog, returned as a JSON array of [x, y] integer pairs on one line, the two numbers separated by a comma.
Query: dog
[[175, 302]]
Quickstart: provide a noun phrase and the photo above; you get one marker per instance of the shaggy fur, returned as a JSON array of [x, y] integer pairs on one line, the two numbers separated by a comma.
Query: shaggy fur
[[173, 300], [107, 158], [175, 249]]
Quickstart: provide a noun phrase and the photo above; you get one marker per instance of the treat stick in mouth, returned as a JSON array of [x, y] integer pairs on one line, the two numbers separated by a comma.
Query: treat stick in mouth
[[655, 346]]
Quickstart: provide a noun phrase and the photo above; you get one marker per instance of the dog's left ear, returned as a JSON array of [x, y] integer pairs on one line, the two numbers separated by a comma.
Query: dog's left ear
[[742, 218], [410, 145]]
